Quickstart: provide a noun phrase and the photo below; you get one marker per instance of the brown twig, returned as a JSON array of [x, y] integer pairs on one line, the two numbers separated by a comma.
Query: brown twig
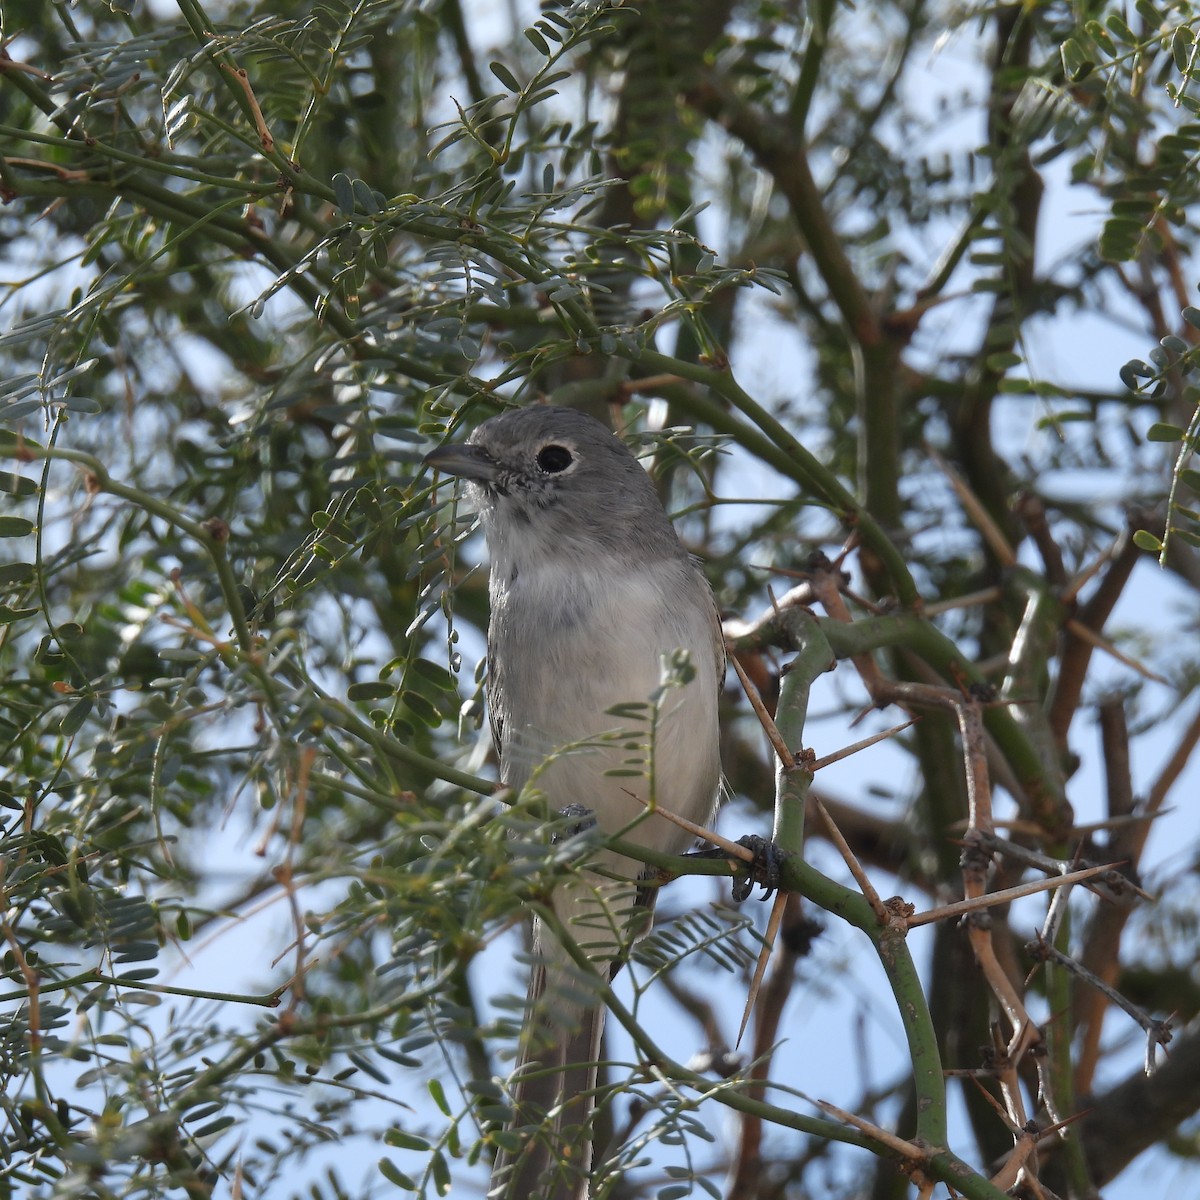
[[307, 757], [764, 717], [1032, 511], [801, 597], [647, 383], [260, 124], [1167, 778], [1114, 879], [969, 600], [855, 747], [1024, 1145], [8, 63], [911, 1153], [1076, 651], [66, 174], [826, 585], [860, 876], [1102, 643], [1158, 1033], [709, 835], [1076, 585], [990, 899], [1102, 940], [977, 514], [29, 975], [1025, 1034], [1107, 925]]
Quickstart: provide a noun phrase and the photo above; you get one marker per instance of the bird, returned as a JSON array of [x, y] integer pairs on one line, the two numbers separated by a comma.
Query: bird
[[596, 608]]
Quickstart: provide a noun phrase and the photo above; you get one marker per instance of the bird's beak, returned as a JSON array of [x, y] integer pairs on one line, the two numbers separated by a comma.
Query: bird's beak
[[470, 462]]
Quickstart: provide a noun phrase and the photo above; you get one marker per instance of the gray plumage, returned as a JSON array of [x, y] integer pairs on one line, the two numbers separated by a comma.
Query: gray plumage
[[592, 595]]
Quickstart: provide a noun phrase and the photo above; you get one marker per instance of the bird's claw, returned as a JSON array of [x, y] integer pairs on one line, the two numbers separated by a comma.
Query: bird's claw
[[577, 819], [765, 871]]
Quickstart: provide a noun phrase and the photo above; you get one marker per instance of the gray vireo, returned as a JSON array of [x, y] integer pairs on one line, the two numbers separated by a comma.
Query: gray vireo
[[593, 597]]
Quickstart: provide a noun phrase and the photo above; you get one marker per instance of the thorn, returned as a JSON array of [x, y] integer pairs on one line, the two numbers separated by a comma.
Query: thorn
[[1080, 630], [764, 956], [847, 751], [764, 718]]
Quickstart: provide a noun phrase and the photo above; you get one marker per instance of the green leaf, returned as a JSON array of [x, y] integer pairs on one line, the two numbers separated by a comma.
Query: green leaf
[[1190, 478], [1063, 418], [1145, 540], [1182, 41], [17, 485], [441, 1173], [212, 1128], [1140, 208], [393, 1174], [434, 672], [370, 690], [365, 1064], [81, 404], [1134, 370], [405, 1060], [1016, 386], [15, 527], [1149, 14], [9, 615], [438, 1095], [1182, 98], [1186, 535], [1099, 35], [1161, 431], [1124, 227], [421, 708], [1049, 391], [343, 192], [141, 975], [537, 42], [1076, 63], [405, 1141], [1002, 360], [10, 440], [15, 572], [505, 76], [1120, 30], [76, 715], [365, 197]]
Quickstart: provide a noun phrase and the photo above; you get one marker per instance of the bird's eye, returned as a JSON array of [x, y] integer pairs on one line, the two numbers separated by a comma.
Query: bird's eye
[[553, 459]]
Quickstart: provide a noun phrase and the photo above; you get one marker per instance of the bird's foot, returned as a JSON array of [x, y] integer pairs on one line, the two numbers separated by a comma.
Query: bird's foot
[[764, 871], [576, 819]]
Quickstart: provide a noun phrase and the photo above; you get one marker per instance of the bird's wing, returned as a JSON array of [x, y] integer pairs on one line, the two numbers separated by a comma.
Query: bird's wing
[[714, 624], [495, 697]]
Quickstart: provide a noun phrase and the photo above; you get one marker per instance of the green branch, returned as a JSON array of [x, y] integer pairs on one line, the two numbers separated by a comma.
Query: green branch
[[91, 978], [768, 438]]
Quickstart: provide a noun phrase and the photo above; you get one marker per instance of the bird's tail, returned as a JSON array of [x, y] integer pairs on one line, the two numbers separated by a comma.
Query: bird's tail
[[546, 1149]]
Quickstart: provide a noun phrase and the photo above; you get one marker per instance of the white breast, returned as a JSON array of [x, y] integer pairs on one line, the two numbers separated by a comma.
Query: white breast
[[585, 642]]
